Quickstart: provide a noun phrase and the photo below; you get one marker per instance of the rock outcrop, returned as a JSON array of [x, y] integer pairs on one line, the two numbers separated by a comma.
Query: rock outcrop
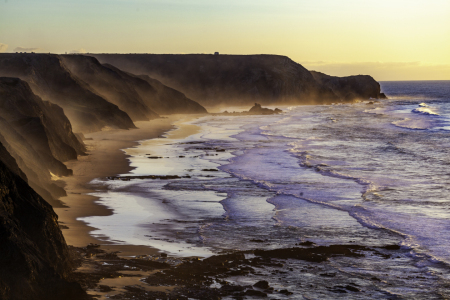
[[34, 258], [52, 81], [109, 84], [228, 80], [38, 135], [141, 97], [256, 109], [166, 100], [350, 88]]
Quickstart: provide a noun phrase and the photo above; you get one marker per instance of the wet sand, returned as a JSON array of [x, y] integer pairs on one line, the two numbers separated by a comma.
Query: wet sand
[[105, 158]]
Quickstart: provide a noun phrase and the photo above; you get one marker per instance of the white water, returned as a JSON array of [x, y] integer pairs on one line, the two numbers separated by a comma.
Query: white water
[[338, 174]]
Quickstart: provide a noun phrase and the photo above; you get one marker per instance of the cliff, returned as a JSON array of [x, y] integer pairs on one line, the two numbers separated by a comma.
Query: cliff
[[52, 81], [359, 87], [228, 79], [109, 84], [142, 98], [38, 135], [34, 257]]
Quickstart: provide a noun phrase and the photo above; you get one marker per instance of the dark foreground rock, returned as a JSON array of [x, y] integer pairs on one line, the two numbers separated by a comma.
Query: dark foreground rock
[[216, 277], [34, 258]]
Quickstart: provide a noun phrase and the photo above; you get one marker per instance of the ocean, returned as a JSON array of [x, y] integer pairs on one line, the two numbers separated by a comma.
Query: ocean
[[373, 174]]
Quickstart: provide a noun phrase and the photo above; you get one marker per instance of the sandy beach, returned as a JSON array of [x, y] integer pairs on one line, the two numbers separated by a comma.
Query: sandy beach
[[105, 158]]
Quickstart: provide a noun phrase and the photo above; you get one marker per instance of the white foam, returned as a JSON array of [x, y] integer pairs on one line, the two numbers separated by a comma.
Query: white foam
[[425, 111]]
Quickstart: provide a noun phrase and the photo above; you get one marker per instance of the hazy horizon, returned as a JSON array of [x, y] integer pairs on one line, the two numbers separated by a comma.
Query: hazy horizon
[[389, 40]]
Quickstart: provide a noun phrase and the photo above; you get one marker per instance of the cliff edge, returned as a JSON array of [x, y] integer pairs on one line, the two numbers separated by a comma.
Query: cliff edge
[[350, 88], [227, 80], [34, 260]]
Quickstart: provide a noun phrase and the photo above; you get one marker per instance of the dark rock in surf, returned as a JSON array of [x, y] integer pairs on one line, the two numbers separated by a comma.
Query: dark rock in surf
[[262, 285], [258, 110]]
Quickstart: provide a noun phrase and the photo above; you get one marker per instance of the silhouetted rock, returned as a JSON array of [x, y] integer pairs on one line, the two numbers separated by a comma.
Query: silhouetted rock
[[110, 84], [37, 134], [51, 80], [11, 163], [262, 284], [162, 99], [34, 258], [359, 87], [258, 110], [228, 79]]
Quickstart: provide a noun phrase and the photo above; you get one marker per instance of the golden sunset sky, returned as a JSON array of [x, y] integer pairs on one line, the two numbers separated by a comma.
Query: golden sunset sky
[[388, 39]]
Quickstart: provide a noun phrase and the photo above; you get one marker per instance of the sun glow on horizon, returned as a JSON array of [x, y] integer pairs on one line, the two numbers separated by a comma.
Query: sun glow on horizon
[[390, 40]]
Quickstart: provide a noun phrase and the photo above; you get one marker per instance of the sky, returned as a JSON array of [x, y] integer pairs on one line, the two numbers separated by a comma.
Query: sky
[[388, 39]]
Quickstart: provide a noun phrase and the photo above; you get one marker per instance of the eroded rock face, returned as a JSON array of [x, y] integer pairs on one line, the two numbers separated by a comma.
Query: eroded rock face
[[350, 88], [111, 85], [142, 98], [51, 80], [38, 135], [228, 79], [166, 100], [34, 258]]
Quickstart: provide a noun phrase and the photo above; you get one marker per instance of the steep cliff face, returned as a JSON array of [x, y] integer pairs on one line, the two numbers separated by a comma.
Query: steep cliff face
[[164, 99], [37, 134], [10, 162], [141, 98], [52, 81], [359, 87], [42, 123], [228, 79], [34, 258], [30, 163], [110, 84]]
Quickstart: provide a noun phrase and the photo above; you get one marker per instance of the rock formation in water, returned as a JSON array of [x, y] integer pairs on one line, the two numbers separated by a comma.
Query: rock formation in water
[[38, 135], [359, 87], [228, 79], [34, 258], [256, 109], [52, 81]]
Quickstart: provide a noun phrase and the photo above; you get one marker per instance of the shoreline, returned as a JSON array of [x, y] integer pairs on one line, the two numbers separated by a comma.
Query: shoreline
[[106, 157]]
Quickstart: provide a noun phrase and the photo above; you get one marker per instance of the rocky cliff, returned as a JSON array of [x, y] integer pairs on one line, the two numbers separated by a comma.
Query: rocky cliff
[[52, 81], [34, 258], [228, 79], [37, 134], [141, 98], [109, 84], [350, 88]]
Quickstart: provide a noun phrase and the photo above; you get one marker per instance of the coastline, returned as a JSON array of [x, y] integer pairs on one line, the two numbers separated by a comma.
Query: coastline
[[323, 251], [107, 158]]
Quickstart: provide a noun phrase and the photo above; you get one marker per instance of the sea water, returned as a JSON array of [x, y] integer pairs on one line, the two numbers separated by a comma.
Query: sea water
[[373, 173]]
